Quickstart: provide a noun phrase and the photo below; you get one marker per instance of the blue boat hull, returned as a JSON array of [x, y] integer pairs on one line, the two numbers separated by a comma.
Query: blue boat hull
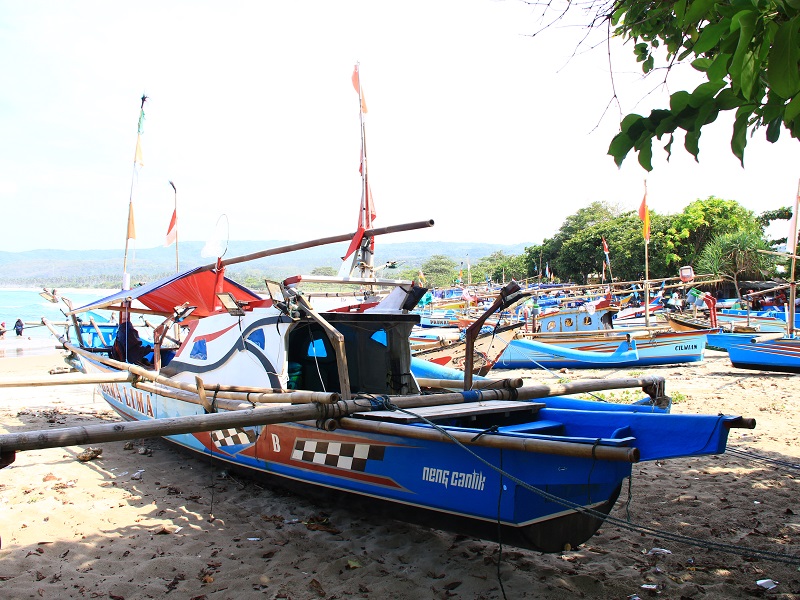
[[439, 480], [782, 356], [666, 349]]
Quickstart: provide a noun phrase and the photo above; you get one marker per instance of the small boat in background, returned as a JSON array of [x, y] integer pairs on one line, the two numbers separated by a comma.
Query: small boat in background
[[653, 348]]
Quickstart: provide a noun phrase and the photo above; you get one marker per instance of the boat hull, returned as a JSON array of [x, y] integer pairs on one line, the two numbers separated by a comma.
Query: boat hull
[[433, 482], [782, 356], [658, 349]]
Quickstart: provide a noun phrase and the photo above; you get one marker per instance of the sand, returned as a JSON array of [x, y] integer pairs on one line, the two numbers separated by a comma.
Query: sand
[[144, 520]]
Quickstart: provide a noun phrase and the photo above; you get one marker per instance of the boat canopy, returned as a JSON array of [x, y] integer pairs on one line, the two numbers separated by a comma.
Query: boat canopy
[[197, 286]]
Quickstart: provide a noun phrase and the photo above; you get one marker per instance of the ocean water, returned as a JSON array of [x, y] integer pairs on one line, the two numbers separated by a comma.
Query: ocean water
[[28, 305]]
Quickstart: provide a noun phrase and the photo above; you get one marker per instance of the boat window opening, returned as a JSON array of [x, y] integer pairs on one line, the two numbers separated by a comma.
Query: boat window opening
[[551, 326], [568, 322], [199, 351], [587, 320], [380, 337], [377, 352], [317, 348], [257, 337]]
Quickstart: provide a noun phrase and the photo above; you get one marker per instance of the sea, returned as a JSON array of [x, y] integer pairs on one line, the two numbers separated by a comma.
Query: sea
[[28, 305]]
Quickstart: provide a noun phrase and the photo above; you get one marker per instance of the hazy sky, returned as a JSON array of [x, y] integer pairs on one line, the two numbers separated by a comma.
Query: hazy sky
[[494, 134]]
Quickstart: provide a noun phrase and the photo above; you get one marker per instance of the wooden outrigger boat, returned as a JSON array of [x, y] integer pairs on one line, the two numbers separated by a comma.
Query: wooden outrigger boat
[[653, 347], [538, 474]]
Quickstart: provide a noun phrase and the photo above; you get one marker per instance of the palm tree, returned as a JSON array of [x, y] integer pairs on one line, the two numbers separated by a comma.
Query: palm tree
[[733, 255]]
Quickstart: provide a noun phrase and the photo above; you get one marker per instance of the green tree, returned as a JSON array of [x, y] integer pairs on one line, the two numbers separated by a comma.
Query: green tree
[[701, 221], [748, 52], [733, 256], [325, 271], [440, 270]]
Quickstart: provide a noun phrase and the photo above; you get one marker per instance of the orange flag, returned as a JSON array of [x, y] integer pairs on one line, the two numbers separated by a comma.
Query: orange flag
[[357, 85], [644, 215]]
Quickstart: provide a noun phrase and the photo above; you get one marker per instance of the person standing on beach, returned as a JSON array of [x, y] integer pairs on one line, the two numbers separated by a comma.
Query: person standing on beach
[[2, 330], [19, 326]]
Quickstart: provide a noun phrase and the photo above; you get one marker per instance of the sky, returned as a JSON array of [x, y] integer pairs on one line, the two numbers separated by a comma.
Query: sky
[[494, 133]]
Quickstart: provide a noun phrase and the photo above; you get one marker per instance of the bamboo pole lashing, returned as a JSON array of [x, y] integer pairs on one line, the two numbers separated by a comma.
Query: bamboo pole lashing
[[563, 448]]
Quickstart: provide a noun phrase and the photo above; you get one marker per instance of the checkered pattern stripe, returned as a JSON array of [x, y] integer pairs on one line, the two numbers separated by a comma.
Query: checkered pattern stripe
[[353, 457], [233, 437]]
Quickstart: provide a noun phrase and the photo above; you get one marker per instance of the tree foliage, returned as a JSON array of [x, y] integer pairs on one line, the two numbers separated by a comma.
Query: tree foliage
[[748, 51], [440, 270], [690, 230], [735, 255]]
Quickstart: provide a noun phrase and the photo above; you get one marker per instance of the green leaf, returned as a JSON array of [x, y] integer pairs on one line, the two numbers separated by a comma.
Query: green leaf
[[680, 10], [782, 71], [727, 99], [679, 100], [692, 143], [648, 64], [668, 146], [739, 138], [710, 36], [619, 148], [704, 92], [702, 64], [697, 10], [646, 154], [774, 130], [719, 68], [746, 21], [792, 109], [632, 125], [749, 74]]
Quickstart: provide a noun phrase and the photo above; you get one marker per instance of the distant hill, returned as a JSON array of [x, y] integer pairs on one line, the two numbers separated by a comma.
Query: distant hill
[[103, 268]]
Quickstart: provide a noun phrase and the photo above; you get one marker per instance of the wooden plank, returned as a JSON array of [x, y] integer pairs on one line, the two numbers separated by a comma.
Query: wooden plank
[[466, 409]]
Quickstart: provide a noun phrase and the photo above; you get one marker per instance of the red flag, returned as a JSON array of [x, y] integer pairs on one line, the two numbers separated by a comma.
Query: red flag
[[605, 246], [357, 85], [172, 230], [644, 215]]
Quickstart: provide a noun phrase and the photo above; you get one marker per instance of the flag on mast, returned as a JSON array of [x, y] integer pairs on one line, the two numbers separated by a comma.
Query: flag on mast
[[605, 249], [357, 84], [131, 224], [644, 215], [172, 230], [366, 213]]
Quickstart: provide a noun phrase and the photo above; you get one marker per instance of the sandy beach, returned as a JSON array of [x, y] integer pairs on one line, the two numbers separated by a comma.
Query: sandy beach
[[144, 520]]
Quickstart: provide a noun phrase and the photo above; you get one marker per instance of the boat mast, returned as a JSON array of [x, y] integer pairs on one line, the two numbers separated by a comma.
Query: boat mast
[[362, 247], [792, 247], [366, 264], [645, 216], [131, 231], [175, 217]]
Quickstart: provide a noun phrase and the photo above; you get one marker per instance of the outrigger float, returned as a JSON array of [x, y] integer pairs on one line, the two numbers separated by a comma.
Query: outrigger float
[[328, 399]]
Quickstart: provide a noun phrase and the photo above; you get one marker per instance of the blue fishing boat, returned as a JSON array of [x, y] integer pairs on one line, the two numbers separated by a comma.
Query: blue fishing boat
[[348, 370], [780, 355], [652, 348]]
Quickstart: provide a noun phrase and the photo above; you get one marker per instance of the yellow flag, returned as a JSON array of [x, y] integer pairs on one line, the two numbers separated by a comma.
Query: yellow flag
[[137, 159], [131, 226]]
